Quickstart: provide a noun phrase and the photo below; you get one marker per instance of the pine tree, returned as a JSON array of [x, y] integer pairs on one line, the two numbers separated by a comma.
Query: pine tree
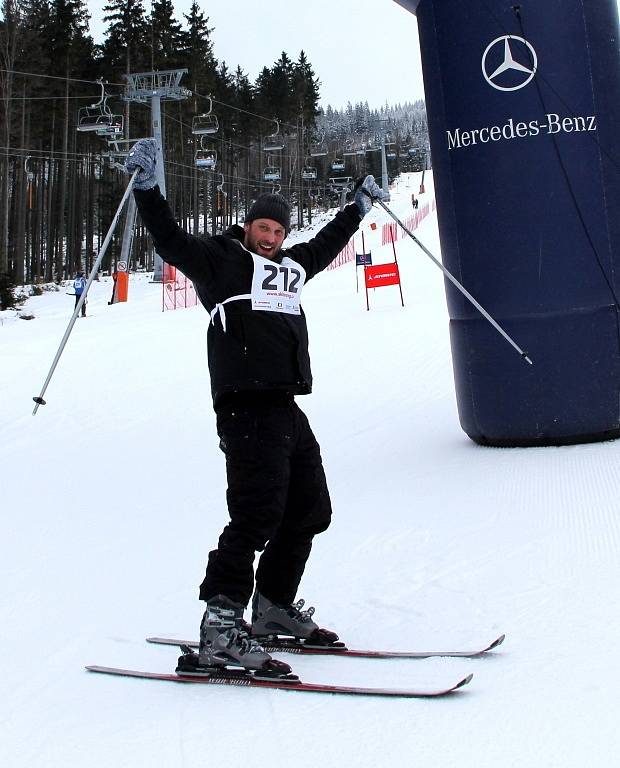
[[305, 87], [127, 39], [11, 31], [197, 51], [71, 51], [244, 101], [166, 36], [262, 92], [69, 39], [7, 291], [281, 92]]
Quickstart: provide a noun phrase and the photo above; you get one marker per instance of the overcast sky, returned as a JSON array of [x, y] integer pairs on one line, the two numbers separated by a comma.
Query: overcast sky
[[361, 50]]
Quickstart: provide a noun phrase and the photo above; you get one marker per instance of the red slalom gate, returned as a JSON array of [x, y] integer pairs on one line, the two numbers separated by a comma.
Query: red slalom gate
[[378, 275]]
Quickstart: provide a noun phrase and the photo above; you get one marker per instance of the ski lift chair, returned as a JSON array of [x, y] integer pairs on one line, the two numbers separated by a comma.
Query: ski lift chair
[[338, 164], [273, 145], [308, 173], [113, 129], [271, 173], [340, 183], [204, 124], [103, 123], [98, 116], [274, 142], [205, 159], [318, 150]]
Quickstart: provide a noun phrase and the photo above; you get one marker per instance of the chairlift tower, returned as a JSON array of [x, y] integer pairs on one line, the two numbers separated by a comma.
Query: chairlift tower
[[153, 88], [380, 127]]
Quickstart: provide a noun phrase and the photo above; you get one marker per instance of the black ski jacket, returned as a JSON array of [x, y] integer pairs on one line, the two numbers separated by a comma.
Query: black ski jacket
[[259, 350]]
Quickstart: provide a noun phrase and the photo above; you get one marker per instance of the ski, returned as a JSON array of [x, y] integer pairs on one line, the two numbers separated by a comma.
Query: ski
[[293, 646], [245, 679]]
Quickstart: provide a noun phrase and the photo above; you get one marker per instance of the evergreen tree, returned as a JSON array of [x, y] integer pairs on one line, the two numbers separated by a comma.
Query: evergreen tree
[[274, 97], [127, 39], [11, 31], [7, 291], [262, 94], [305, 88], [197, 51], [244, 101], [34, 56], [166, 36], [225, 94], [71, 47], [71, 51], [281, 93]]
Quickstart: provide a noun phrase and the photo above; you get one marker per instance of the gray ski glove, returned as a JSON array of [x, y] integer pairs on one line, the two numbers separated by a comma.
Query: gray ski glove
[[143, 155], [366, 192]]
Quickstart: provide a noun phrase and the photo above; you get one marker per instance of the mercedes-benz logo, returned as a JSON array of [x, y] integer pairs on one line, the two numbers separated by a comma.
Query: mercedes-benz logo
[[511, 74]]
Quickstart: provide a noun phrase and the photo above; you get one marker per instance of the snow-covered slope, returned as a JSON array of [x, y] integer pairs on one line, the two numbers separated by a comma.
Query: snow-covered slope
[[113, 494]]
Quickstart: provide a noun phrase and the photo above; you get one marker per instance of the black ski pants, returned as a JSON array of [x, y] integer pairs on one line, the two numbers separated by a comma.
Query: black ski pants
[[277, 500]]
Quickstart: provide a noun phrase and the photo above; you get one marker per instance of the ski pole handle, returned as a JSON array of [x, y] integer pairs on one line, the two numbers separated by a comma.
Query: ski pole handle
[[456, 283], [39, 399]]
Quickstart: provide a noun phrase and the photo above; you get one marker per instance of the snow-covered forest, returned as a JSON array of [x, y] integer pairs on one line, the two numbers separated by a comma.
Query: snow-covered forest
[[60, 180]]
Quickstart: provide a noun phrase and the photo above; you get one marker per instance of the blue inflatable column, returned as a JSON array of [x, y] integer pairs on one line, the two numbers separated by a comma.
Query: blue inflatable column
[[523, 103]]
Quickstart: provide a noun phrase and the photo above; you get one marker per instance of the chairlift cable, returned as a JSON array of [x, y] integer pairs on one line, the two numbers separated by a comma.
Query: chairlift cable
[[58, 77]]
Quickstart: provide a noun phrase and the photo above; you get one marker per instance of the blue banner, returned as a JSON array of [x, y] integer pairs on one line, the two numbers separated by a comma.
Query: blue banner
[[363, 259], [523, 107]]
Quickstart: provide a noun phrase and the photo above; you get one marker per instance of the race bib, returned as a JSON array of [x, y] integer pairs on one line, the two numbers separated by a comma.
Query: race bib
[[277, 287]]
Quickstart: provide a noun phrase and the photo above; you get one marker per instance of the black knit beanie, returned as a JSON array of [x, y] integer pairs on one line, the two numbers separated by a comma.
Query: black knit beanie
[[271, 206]]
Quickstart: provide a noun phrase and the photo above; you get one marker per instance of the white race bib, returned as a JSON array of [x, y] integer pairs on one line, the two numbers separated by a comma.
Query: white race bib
[[277, 287]]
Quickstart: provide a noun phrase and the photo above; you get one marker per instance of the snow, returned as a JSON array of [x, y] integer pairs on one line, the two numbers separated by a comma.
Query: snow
[[113, 494]]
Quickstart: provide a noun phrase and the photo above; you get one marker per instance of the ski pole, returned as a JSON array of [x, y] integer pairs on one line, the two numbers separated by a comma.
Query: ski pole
[[455, 282], [39, 400]]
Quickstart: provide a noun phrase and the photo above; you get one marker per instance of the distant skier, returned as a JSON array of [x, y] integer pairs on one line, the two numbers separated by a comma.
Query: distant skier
[[258, 361], [79, 284]]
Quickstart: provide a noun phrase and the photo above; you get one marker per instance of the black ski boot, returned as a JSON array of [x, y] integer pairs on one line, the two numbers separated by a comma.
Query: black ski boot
[[270, 619], [225, 643]]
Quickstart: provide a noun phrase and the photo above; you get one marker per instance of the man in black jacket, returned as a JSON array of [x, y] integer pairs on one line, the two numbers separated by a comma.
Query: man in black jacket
[[258, 361]]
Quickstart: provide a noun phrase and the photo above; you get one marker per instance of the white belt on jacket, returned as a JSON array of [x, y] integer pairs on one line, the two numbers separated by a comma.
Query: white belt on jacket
[[219, 308]]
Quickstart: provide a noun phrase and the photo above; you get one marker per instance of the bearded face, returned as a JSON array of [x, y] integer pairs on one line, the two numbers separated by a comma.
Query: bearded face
[[264, 237]]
